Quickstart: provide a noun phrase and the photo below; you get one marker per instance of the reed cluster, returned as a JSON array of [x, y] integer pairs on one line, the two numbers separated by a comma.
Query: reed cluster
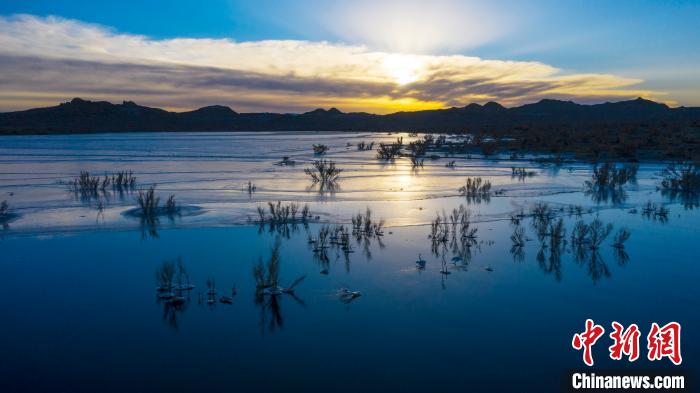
[[458, 224], [475, 189], [279, 213], [364, 146], [86, 183], [520, 173], [123, 180], [363, 225], [149, 202], [337, 236]]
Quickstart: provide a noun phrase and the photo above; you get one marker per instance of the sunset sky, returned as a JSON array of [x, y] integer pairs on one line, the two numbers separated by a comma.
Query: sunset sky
[[362, 55]]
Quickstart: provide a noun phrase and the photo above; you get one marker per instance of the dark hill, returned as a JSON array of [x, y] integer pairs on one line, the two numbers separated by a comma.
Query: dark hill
[[86, 116]]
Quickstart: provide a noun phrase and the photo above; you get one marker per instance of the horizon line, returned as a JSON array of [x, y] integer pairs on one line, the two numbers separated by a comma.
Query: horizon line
[[172, 110]]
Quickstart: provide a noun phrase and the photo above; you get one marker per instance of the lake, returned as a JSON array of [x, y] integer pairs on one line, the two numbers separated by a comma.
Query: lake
[[82, 313]]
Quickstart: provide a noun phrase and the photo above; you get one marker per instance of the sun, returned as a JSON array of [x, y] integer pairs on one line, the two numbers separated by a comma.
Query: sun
[[403, 69]]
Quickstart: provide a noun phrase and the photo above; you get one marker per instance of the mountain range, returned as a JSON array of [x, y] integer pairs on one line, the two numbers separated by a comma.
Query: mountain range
[[80, 116]]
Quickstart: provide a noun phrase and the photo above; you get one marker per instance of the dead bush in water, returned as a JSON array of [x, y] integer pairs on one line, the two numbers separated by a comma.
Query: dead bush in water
[[171, 207], [557, 233], [609, 175], [606, 183], [461, 223], [320, 149], [598, 232], [251, 187], [363, 146], [683, 177], [541, 211], [87, 183], [148, 202], [267, 275], [591, 235], [458, 224], [579, 235], [165, 275], [324, 173], [439, 229], [283, 213], [363, 225], [476, 189], [389, 151], [621, 237], [542, 216], [520, 173], [416, 162], [656, 212], [518, 237], [123, 180], [418, 148]]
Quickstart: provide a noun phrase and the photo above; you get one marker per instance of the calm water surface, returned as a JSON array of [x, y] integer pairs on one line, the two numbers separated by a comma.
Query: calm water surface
[[81, 313]]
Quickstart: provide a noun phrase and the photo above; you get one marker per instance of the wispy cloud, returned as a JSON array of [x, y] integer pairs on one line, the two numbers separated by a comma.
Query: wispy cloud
[[47, 59]]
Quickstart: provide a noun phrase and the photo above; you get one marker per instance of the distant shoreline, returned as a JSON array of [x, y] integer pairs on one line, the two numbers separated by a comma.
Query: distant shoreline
[[626, 130], [82, 116]]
